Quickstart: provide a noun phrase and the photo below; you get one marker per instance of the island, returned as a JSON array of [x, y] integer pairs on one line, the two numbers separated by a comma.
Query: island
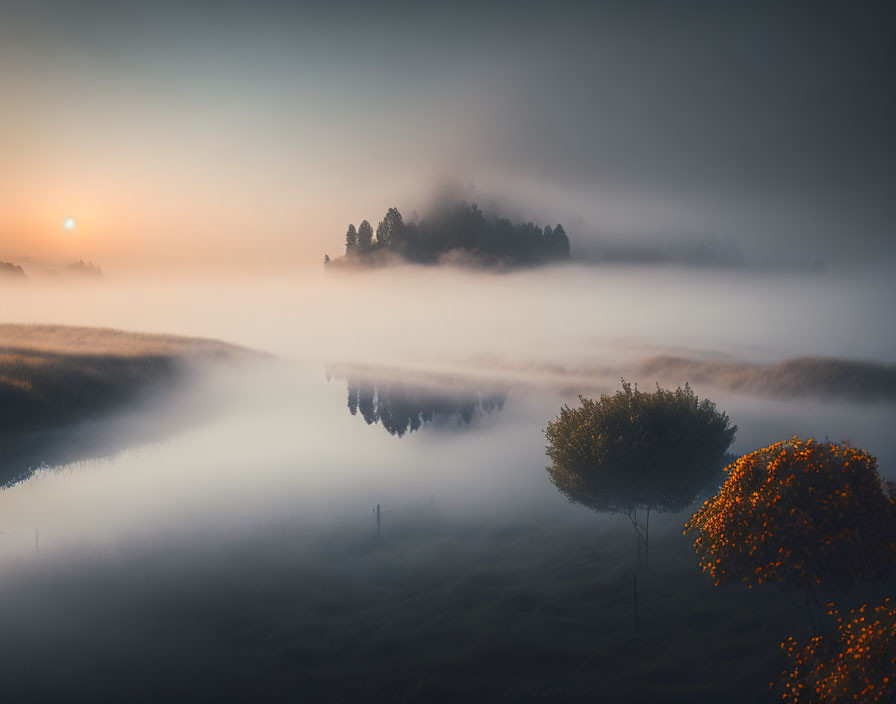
[[458, 233]]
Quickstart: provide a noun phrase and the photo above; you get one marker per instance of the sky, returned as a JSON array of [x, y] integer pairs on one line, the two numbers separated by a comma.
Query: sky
[[249, 134]]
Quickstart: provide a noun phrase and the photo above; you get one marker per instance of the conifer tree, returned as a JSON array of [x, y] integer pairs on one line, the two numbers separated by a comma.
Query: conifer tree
[[365, 236], [351, 240]]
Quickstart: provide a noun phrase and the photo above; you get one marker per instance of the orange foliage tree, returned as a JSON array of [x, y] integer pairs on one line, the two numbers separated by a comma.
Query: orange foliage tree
[[799, 514], [856, 664]]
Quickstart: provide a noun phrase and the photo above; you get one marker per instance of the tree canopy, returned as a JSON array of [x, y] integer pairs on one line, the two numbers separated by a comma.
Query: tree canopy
[[637, 450], [459, 227], [351, 239], [799, 514], [365, 237], [857, 663]]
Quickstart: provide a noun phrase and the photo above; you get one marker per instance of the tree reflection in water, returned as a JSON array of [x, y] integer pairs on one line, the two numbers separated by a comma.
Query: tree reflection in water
[[402, 408]]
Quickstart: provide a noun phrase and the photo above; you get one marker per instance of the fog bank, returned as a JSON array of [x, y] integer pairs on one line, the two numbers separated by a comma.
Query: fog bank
[[602, 315]]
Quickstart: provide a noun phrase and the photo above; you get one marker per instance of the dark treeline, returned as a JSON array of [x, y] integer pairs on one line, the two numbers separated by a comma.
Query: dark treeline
[[86, 269], [460, 231], [79, 268], [400, 408], [11, 270]]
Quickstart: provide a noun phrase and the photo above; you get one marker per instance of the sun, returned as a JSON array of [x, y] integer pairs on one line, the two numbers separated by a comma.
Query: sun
[[69, 224]]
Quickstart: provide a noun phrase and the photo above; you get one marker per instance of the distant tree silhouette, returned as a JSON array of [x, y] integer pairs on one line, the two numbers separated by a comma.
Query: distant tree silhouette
[[394, 225], [801, 515], [12, 270], [558, 243], [85, 269], [365, 237], [351, 239], [637, 451], [383, 235], [459, 227]]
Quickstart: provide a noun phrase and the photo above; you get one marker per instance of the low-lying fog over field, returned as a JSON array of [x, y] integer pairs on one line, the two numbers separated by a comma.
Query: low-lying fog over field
[[553, 316], [393, 352], [237, 548]]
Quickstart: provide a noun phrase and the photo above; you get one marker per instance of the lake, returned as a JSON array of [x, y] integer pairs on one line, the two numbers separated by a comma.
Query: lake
[[240, 556]]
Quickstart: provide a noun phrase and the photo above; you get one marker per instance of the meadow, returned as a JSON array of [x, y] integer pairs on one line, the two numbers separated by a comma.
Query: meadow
[[441, 605]]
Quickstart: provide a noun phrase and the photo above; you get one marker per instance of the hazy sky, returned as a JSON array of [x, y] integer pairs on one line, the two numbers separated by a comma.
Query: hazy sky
[[232, 133]]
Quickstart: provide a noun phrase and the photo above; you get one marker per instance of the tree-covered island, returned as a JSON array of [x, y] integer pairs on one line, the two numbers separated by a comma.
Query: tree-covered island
[[459, 233]]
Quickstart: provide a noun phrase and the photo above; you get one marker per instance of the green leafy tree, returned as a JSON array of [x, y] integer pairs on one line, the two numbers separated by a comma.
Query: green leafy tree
[[637, 451]]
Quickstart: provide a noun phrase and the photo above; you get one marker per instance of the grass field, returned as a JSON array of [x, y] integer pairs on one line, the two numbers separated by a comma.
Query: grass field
[[440, 608]]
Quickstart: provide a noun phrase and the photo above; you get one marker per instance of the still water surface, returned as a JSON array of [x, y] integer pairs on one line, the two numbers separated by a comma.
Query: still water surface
[[288, 447], [239, 558]]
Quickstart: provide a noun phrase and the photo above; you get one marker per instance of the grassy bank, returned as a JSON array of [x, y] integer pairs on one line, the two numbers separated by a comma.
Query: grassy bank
[[827, 377], [56, 382]]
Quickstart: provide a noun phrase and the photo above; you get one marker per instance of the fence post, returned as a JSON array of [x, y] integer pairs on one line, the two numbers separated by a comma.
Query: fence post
[[647, 541], [378, 519], [638, 550]]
